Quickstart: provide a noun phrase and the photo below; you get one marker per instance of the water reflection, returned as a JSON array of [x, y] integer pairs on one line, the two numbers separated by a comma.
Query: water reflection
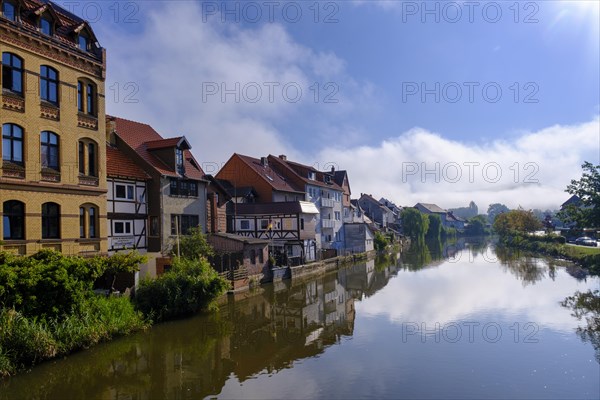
[[341, 335], [262, 333]]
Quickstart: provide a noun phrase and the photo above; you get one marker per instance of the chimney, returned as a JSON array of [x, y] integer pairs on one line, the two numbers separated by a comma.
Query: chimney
[[264, 161], [283, 157]]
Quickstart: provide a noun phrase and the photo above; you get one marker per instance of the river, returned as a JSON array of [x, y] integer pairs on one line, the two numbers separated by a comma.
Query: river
[[459, 320]]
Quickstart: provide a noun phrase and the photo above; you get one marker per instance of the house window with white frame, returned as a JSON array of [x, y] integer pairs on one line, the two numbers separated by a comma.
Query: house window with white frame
[[124, 191]]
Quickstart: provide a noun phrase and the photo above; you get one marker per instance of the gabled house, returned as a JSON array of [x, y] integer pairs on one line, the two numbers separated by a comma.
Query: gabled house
[[127, 211], [449, 220], [177, 190], [322, 190], [248, 175], [376, 211]]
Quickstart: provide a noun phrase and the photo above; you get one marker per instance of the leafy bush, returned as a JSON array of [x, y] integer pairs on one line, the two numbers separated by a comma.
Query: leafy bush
[[190, 286], [380, 242], [193, 245]]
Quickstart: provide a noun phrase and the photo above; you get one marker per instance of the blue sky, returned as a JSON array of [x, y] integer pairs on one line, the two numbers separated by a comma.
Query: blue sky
[[511, 83]]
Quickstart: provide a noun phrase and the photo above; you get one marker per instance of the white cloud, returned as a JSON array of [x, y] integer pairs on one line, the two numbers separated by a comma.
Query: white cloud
[[456, 293], [531, 170], [174, 58]]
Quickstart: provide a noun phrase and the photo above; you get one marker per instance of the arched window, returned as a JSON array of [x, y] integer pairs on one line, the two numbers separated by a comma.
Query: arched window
[[12, 143], [46, 26], [12, 73], [87, 97], [50, 150], [9, 10], [88, 221], [13, 220], [88, 162], [50, 221], [49, 84]]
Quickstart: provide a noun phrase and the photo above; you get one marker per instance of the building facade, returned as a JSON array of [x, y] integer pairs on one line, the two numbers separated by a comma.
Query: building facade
[[52, 175], [176, 191]]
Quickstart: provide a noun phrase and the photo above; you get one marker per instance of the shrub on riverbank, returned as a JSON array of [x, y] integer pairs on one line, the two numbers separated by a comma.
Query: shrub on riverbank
[[555, 246], [190, 286], [48, 308]]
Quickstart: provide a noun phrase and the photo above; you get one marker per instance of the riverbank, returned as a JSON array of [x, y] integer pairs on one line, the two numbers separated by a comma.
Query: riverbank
[[587, 257]]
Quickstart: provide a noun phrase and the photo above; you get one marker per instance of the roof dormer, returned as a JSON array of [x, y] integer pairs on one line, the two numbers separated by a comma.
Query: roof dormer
[[171, 152], [11, 10], [47, 19]]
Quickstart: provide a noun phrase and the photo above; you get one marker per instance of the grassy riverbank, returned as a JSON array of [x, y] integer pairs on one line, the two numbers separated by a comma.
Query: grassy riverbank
[[587, 257], [48, 307]]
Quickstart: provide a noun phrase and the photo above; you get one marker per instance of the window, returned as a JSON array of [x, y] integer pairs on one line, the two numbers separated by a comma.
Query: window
[[12, 73], [83, 42], [91, 159], [153, 226], [244, 224], [46, 26], [50, 150], [337, 236], [124, 191], [179, 161], [180, 187], [261, 258], [264, 224], [90, 99], [87, 158], [79, 96], [183, 223], [9, 10], [337, 215], [88, 222], [122, 228], [13, 220], [12, 143], [86, 98], [92, 222], [50, 221], [49, 84], [311, 175], [302, 223], [252, 256]]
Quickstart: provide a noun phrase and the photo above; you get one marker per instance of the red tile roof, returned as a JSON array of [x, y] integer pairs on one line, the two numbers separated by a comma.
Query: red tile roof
[[301, 170], [137, 135], [273, 177], [118, 165], [165, 143]]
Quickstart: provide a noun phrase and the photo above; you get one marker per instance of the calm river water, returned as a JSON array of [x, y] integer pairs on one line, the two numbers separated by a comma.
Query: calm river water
[[439, 321]]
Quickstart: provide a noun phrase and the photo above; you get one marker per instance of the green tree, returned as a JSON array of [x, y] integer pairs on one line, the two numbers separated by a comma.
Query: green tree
[[476, 226], [587, 215], [519, 221], [193, 245], [435, 227], [414, 223], [494, 210]]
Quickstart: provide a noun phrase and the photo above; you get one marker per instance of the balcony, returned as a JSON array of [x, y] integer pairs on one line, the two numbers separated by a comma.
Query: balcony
[[327, 223], [326, 202]]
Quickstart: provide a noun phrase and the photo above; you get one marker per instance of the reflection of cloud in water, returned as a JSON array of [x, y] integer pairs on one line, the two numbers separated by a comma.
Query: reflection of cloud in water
[[474, 289]]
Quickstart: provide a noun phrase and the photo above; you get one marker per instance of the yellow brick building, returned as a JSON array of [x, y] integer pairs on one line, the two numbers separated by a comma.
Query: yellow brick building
[[53, 168]]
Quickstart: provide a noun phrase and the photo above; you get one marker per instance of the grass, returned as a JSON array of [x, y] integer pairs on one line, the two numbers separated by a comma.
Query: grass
[[27, 341], [580, 251]]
